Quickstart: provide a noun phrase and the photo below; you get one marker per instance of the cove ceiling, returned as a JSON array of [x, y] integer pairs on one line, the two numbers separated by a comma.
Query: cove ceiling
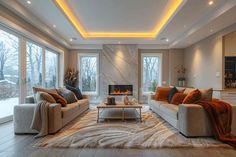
[[127, 21]]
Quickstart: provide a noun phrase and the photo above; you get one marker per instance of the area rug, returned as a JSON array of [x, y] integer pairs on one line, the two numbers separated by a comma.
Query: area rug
[[153, 132]]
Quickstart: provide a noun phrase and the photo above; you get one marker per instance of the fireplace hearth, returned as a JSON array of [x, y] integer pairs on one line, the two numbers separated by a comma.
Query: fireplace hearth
[[117, 90]]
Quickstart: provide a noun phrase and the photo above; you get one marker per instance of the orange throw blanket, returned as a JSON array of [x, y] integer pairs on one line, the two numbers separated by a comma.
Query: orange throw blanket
[[220, 115]]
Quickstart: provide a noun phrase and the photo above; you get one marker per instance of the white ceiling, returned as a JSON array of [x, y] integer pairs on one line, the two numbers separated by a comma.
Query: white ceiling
[[190, 24], [118, 15]]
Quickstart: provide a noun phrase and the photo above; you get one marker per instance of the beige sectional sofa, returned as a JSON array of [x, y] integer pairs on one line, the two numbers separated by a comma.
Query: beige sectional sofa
[[190, 119], [58, 116]]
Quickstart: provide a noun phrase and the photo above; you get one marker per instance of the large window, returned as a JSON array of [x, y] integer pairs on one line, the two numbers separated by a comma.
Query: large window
[[23, 64], [151, 71], [9, 73], [34, 55], [51, 69], [88, 72]]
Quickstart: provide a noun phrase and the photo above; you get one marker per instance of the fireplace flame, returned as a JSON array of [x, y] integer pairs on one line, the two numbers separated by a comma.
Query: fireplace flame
[[118, 92]]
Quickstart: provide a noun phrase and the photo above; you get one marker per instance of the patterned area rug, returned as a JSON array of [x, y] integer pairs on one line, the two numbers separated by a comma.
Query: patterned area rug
[[153, 132]]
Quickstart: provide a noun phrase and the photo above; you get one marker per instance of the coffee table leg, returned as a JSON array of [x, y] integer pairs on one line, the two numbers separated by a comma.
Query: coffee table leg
[[140, 114], [98, 116], [123, 115]]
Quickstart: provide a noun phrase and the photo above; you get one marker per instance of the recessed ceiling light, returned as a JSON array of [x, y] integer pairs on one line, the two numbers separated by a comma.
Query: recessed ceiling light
[[165, 39], [119, 42], [29, 2], [71, 39], [211, 2], [54, 26]]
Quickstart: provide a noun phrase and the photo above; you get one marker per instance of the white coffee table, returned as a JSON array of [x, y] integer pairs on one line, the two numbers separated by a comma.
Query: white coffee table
[[114, 110]]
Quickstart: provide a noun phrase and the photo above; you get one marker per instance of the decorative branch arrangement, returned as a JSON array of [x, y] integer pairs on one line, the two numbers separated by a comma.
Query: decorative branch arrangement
[[181, 72], [71, 77]]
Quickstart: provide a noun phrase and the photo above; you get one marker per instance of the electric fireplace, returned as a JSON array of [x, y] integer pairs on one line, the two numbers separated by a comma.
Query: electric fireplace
[[120, 90]]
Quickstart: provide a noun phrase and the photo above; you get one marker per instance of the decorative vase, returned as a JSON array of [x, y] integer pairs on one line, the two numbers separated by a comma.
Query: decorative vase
[[126, 100], [181, 83]]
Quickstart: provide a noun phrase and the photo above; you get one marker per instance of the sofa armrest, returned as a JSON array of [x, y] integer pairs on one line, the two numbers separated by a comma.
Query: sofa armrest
[[193, 120], [54, 118], [29, 100]]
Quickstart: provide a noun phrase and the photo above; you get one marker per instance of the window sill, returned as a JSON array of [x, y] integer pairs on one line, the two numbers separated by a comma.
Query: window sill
[[90, 93]]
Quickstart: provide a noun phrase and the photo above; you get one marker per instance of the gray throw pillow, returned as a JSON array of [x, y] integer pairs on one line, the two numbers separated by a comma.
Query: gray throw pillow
[[43, 96], [68, 95]]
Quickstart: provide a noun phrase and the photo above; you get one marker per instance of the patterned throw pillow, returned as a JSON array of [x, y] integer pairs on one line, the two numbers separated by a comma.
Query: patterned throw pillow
[[171, 94], [76, 91], [68, 95], [193, 97], [43, 96], [178, 98], [59, 99], [162, 93]]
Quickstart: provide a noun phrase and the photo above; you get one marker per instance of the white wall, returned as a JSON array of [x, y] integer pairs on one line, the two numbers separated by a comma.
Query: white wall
[[204, 61], [176, 60]]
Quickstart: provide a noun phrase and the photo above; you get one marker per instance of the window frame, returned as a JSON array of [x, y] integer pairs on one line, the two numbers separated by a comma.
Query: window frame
[[43, 61], [20, 71], [23, 36], [96, 93], [160, 70]]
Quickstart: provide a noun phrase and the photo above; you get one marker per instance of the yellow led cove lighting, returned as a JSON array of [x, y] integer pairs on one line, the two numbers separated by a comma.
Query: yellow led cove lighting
[[76, 23]]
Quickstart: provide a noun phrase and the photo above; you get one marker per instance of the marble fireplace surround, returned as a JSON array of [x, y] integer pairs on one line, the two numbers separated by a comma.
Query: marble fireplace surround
[[119, 66]]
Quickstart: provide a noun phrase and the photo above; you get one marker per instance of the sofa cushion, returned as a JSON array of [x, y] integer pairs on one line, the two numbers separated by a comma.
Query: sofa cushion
[[83, 102], [206, 94], [162, 93], [188, 90], [171, 94], [76, 91], [59, 99], [68, 95], [70, 109], [38, 89], [178, 98], [43, 96], [192, 97], [170, 110]]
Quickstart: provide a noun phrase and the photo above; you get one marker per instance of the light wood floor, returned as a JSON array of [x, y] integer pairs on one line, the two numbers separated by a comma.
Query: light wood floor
[[12, 145]]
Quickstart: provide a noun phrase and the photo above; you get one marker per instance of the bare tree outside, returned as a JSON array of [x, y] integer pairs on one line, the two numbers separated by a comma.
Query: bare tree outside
[[51, 69], [33, 66], [88, 73], [151, 73], [9, 73]]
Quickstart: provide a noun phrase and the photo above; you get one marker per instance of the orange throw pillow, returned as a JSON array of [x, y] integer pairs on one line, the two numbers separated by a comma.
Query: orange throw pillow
[[178, 98], [59, 99], [192, 97], [162, 93]]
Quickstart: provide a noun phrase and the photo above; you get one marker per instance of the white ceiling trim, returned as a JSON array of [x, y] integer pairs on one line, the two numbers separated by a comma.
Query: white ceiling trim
[[153, 46], [86, 46], [203, 22], [36, 22]]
